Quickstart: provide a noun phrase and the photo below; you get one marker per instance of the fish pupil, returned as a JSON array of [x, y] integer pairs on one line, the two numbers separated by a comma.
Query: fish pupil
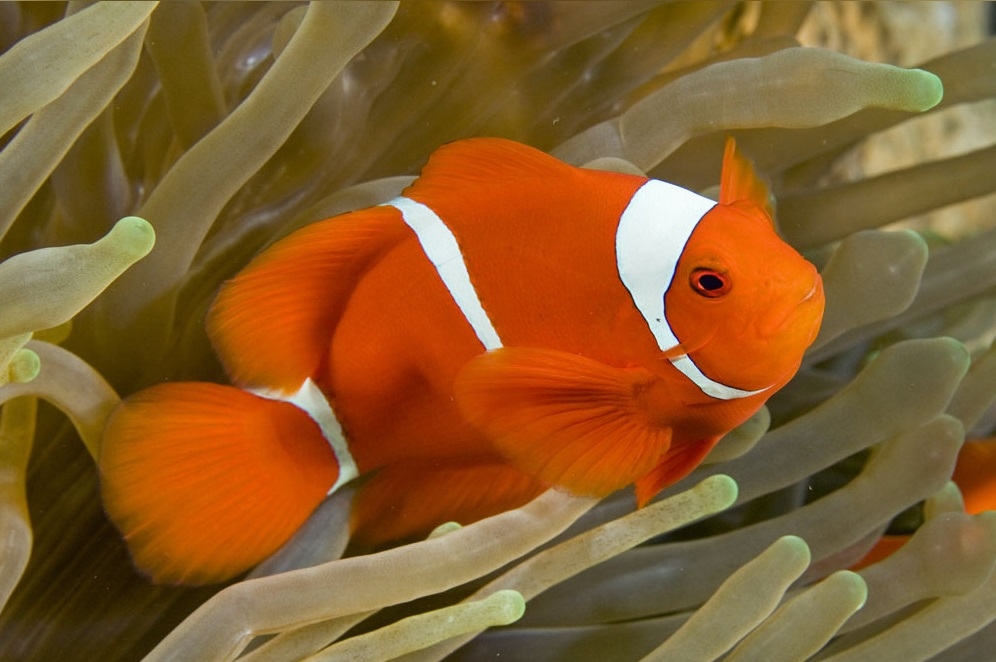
[[710, 283]]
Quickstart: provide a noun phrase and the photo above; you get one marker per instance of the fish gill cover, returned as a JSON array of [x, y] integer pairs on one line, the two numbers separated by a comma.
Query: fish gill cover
[[213, 129]]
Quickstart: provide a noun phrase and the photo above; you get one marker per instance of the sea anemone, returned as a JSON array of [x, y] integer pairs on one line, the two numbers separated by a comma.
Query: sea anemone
[[228, 125]]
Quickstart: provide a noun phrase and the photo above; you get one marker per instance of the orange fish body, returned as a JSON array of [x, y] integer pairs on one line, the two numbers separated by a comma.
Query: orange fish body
[[508, 324], [975, 476]]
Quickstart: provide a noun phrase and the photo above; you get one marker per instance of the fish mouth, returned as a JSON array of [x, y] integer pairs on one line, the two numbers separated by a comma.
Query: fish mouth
[[811, 293], [781, 317]]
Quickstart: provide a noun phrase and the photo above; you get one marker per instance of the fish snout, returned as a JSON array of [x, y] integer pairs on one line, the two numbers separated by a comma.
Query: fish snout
[[796, 314]]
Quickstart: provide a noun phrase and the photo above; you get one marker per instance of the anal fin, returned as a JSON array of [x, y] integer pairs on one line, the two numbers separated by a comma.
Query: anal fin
[[678, 462], [405, 502]]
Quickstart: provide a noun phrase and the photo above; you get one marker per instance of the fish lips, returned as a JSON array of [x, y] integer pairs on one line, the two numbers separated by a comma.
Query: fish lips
[[794, 315]]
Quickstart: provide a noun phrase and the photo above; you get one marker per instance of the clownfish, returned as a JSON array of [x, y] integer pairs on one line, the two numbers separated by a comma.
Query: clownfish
[[508, 324], [975, 475]]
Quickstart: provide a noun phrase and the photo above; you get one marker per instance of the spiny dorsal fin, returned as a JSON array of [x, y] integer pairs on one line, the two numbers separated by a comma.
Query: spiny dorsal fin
[[476, 161], [740, 182]]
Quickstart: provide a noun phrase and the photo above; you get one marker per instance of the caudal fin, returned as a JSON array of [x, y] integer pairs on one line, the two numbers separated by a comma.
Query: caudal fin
[[205, 481]]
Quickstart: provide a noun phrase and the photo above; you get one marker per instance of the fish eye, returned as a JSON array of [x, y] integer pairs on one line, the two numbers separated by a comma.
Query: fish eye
[[710, 283]]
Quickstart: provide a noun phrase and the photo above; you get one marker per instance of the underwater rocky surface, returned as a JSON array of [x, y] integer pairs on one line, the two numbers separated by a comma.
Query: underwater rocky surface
[[227, 125]]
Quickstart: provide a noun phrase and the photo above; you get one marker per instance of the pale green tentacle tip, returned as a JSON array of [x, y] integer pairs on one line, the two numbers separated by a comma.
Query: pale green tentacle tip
[[15, 361], [443, 529], [948, 499], [24, 366], [508, 606], [720, 491], [792, 548], [133, 236], [959, 353], [925, 89], [850, 588]]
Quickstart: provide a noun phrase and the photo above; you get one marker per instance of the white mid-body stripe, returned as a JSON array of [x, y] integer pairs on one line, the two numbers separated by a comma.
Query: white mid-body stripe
[[310, 399], [652, 234], [441, 248]]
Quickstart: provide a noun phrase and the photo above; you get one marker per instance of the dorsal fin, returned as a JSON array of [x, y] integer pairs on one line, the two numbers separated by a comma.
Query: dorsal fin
[[476, 161], [740, 182], [271, 325]]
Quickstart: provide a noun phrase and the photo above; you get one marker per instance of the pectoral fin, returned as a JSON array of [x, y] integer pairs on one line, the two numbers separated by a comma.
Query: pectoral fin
[[564, 419]]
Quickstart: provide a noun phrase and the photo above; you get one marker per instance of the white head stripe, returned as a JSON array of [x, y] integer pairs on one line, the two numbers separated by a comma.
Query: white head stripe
[[310, 399], [652, 234], [441, 248]]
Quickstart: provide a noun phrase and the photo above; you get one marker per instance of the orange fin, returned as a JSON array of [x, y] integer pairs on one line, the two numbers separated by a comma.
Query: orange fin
[[740, 182], [678, 462], [975, 475], [205, 481], [565, 419], [885, 547], [476, 161], [272, 324], [402, 503]]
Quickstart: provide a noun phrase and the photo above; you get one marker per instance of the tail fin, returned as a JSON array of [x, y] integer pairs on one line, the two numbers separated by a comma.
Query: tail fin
[[205, 480]]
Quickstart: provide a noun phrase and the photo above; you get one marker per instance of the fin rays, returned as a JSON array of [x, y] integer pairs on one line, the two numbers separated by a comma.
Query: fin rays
[[271, 324], [205, 480], [565, 419]]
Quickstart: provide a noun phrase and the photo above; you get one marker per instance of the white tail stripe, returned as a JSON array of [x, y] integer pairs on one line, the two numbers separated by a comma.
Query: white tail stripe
[[652, 234], [310, 399], [440, 246]]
